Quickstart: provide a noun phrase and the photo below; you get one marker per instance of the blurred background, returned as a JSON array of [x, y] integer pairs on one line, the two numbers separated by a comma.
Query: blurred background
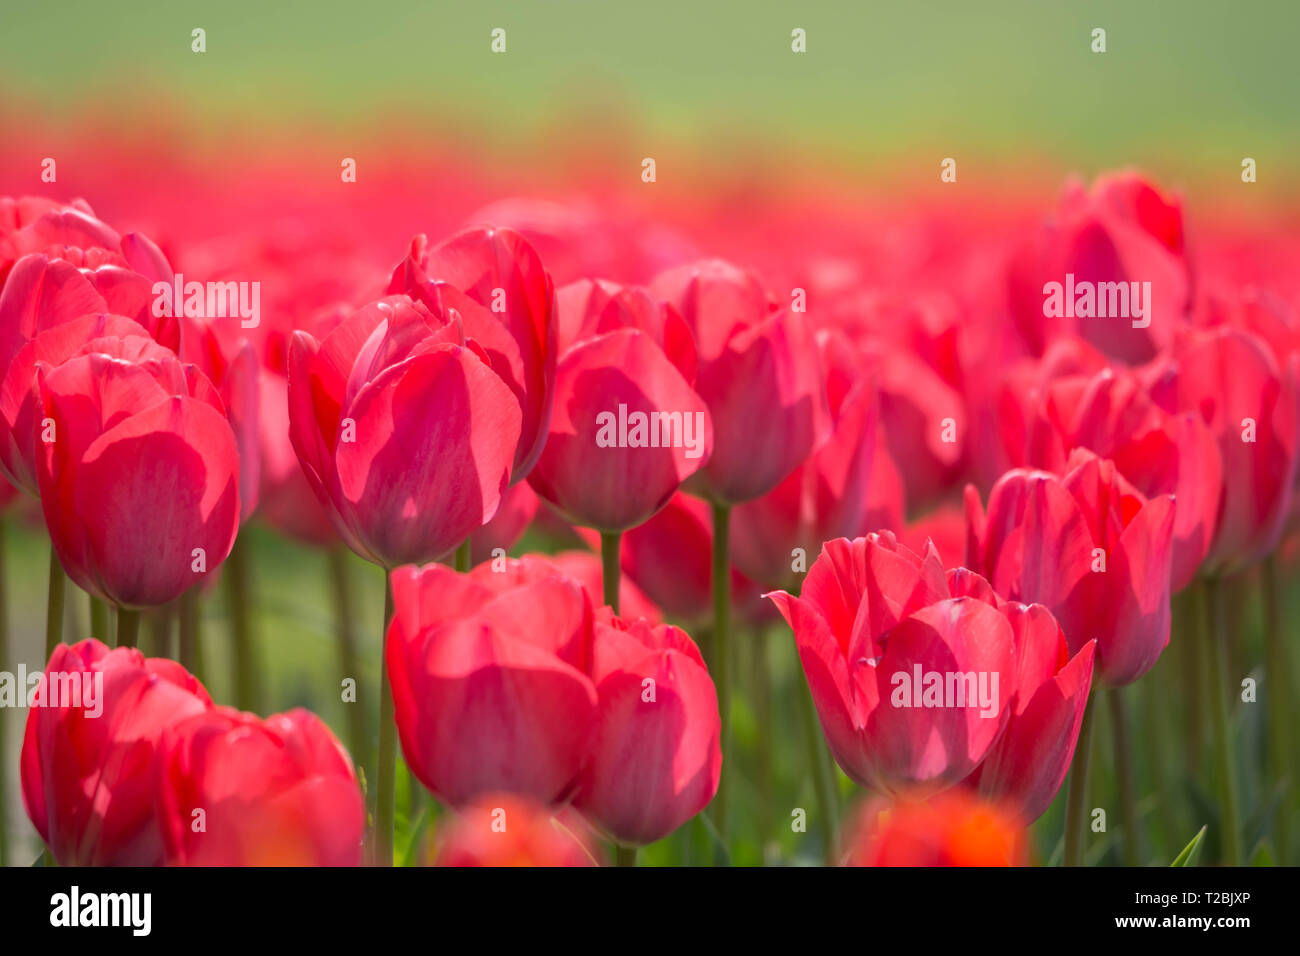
[[193, 148]]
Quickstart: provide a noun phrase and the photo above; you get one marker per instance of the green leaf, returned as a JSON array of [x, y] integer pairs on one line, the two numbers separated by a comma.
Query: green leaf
[[1188, 856]]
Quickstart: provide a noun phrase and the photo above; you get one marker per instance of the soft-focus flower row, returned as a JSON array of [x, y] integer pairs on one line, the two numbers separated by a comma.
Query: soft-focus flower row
[[923, 473]]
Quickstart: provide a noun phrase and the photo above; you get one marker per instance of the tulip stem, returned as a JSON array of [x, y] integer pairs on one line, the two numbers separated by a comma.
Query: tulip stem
[[610, 542], [386, 772], [463, 558], [128, 626], [345, 633], [823, 773], [1215, 662], [625, 856], [1124, 776], [4, 665], [247, 691], [98, 618], [187, 651], [1280, 720], [721, 663], [54, 605], [1077, 796]]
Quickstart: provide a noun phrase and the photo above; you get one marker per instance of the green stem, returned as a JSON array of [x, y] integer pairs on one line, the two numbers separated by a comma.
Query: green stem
[[625, 856], [1281, 721], [346, 634], [1076, 797], [1124, 776], [188, 630], [823, 773], [1215, 661], [464, 559], [98, 618], [54, 605], [386, 771], [610, 542], [128, 626], [762, 697], [239, 593], [721, 663]]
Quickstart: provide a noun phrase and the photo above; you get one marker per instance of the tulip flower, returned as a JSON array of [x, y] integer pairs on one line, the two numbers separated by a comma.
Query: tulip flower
[[509, 830], [951, 829], [825, 497], [86, 764], [1089, 546], [879, 631], [60, 262], [138, 472], [235, 790], [1120, 234], [1027, 765], [506, 301], [405, 431], [1230, 379], [491, 678], [585, 568], [655, 760]]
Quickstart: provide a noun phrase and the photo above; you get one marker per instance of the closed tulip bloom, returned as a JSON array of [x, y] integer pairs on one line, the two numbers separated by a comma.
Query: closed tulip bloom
[[508, 830], [878, 629], [138, 471], [826, 496], [1027, 765], [1113, 413], [58, 262], [1088, 545], [403, 428], [1123, 231], [20, 396], [506, 300], [759, 374], [627, 428], [273, 792], [1232, 381], [86, 765], [491, 679], [656, 757], [955, 828]]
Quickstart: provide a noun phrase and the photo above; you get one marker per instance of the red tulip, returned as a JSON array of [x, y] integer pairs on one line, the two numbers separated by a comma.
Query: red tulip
[[876, 626], [508, 830], [1112, 413], [1088, 545], [85, 775], [60, 262], [236, 790], [20, 398], [1027, 765], [506, 301], [824, 497], [138, 471], [656, 758], [627, 428], [491, 679], [1231, 380], [951, 829], [756, 365], [405, 431], [585, 568], [1122, 231]]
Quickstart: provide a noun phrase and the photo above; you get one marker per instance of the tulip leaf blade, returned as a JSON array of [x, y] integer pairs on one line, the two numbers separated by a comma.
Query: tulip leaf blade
[[1190, 852]]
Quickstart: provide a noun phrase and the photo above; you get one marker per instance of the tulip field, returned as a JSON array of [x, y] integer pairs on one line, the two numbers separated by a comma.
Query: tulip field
[[649, 444]]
